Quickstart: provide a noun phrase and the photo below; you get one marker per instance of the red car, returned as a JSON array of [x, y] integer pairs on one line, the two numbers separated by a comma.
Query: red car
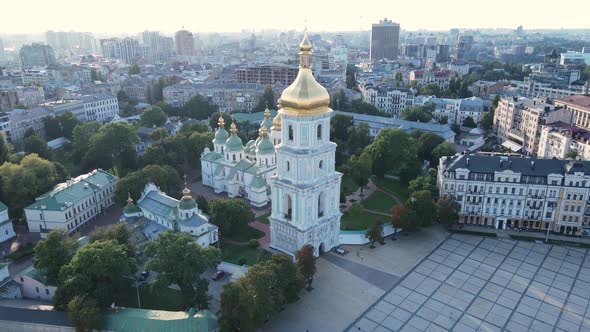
[[218, 275]]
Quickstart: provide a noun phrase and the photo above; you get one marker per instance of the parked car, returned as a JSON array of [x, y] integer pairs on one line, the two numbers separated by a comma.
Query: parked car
[[218, 275], [340, 251], [144, 275]]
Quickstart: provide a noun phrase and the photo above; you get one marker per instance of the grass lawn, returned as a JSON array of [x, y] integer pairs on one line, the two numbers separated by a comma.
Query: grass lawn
[[245, 234], [394, 187], [164, 299], [264, 219], [236, 253], [379, 201], [348, 185], [360, 222]]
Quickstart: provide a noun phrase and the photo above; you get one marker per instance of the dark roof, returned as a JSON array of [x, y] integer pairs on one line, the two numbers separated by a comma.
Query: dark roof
[[44, 317], [542, 167]]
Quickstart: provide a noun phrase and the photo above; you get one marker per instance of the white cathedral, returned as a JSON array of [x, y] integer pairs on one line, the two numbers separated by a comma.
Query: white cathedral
[[295, 165]]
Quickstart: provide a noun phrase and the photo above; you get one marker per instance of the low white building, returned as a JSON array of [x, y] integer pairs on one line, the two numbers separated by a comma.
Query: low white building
[[157, 212], [454, 110], [460, 67], [387, 99], [6, 229], [100, 107], [242, 170], [33, 285], [440, 77], [72, 204], [31, 95]]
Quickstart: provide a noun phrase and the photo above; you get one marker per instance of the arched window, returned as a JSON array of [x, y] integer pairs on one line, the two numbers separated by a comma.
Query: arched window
[[288, 166], [290, 132], [321, 205], [321, 164], [233, 157], [319, 132], [288, 207]]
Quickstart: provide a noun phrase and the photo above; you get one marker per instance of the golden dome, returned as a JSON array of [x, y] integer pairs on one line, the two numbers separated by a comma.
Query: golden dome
[[276, 122], [305, 96]]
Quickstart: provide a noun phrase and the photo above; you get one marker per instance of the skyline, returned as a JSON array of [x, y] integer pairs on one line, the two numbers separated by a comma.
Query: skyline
[[117, 17]]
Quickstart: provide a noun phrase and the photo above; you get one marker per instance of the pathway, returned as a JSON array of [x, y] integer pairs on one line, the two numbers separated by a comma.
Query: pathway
[[265, 240], [356, 196], [373, 276]]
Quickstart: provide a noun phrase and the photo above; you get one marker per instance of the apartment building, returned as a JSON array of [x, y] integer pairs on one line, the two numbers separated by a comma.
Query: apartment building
[[531, 88], [518, 122], [440, 77], [229, 97], [389, 100], [22, 120], [558, 139], [72, 204], [580, 105], [453, 110], [513, 192], [267, 74]]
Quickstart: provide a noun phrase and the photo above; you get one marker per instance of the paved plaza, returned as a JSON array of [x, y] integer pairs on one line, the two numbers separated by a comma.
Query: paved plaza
[[472, 283]]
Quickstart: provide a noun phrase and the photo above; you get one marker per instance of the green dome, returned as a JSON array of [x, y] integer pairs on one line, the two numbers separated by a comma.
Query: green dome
[[233, 144], [221, 136], [267, 123], [265, 146], [187, 203], [131, 209]]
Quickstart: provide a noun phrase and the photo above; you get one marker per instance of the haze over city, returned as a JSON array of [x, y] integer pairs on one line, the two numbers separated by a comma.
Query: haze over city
[[115, 16]]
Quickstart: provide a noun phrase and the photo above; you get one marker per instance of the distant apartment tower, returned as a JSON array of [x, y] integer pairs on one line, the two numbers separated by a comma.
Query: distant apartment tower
[[130, 50], [463, 46], [37, 54], [1, 50], [384, 40], [184, 42], [267, 74]]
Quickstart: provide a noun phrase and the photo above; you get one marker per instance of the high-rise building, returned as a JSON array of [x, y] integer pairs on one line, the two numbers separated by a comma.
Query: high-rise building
[[159, 47], [1, 50], [37, 54], [185, 43], [463, 46], [384, 40], [305, 190], [130, 50]]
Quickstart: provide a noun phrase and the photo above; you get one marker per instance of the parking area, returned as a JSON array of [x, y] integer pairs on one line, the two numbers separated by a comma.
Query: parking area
[[474, 284], [215, 288]]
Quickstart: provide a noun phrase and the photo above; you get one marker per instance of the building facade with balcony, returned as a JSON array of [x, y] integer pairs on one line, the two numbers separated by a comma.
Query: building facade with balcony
[[388, 99], [513, 192]]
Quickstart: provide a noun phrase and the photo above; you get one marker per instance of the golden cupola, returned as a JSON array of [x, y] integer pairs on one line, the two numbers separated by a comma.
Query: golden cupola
[[305, 96]]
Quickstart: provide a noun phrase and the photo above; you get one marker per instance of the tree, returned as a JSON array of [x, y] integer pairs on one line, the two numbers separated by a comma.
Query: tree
[[61, 125], [359, 137], [421, 203], [134, 69], [113, 146], [351, 76], [197, 142], [487, 120], [97, 270], [359, 168], [375, 233], [36, 144], [339, 125], [81, 138], [5, 148], [202, 203], [443, 149], [179, 260], [84, 314], [22, 182], [468, 122], [430, 89], [214, 120], [426, 144], [122, 97], [361, 107], [403, 218], [155, 155], [417, 113], [393, 150], [198, 107], [118, 233], [456, 128], [159, 134], [52, 253], [306, 263], [571, 154], [153, 116], [448, 210], [188, 128], [131, 184], [425, 182], [230, 215], [266, 100]]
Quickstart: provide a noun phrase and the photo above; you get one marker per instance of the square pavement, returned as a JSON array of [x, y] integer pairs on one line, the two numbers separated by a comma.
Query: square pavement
[[472, 283]]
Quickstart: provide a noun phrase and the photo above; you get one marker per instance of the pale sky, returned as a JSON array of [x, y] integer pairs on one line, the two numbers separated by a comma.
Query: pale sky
[[131, 16]]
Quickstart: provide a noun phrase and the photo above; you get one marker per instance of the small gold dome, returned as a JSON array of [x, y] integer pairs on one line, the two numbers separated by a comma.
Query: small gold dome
[[305, 96], [276, 122]]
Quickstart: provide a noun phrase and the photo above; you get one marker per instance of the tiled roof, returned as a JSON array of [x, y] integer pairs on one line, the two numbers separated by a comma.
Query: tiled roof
[[525, 166]]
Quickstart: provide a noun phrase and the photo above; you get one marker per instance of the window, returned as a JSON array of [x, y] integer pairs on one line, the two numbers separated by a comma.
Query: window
[[319, 132], [46, 291], [321, 164], [288, 166], [288, 207], [290, 132], [320, 205], [37, 289]]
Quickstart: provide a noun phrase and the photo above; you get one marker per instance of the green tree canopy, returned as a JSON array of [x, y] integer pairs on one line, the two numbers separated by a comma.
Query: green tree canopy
[[112, 146], [426, 143], [469, 122], [5, 148], [487, 120], [393, 150], [421, 203], [179, 260], [61, 125], [197, 142], [375, 233], [36, 144], [214, 120], [153, 116], [97, 270], [448, 210], [360, 169], [22, 182], [81, 138], [418, 113], [306, 263], [431, 89], [443, 149], [198, 107], [266, 100], [84, 314], [118, 233], [134, 69], [52, 253], [230, 215]]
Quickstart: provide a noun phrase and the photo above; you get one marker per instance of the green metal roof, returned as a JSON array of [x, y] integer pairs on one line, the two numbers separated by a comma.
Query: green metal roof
[[187, 203], [243, 165], [221, 135], [142, 320], [62, 193], [211, 156], [253, 117], [3, 206], [233, 144], [34, 274], [258, 182], [218, 170], [231, 174], [267, 123], [252, 170], [131, 209]]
